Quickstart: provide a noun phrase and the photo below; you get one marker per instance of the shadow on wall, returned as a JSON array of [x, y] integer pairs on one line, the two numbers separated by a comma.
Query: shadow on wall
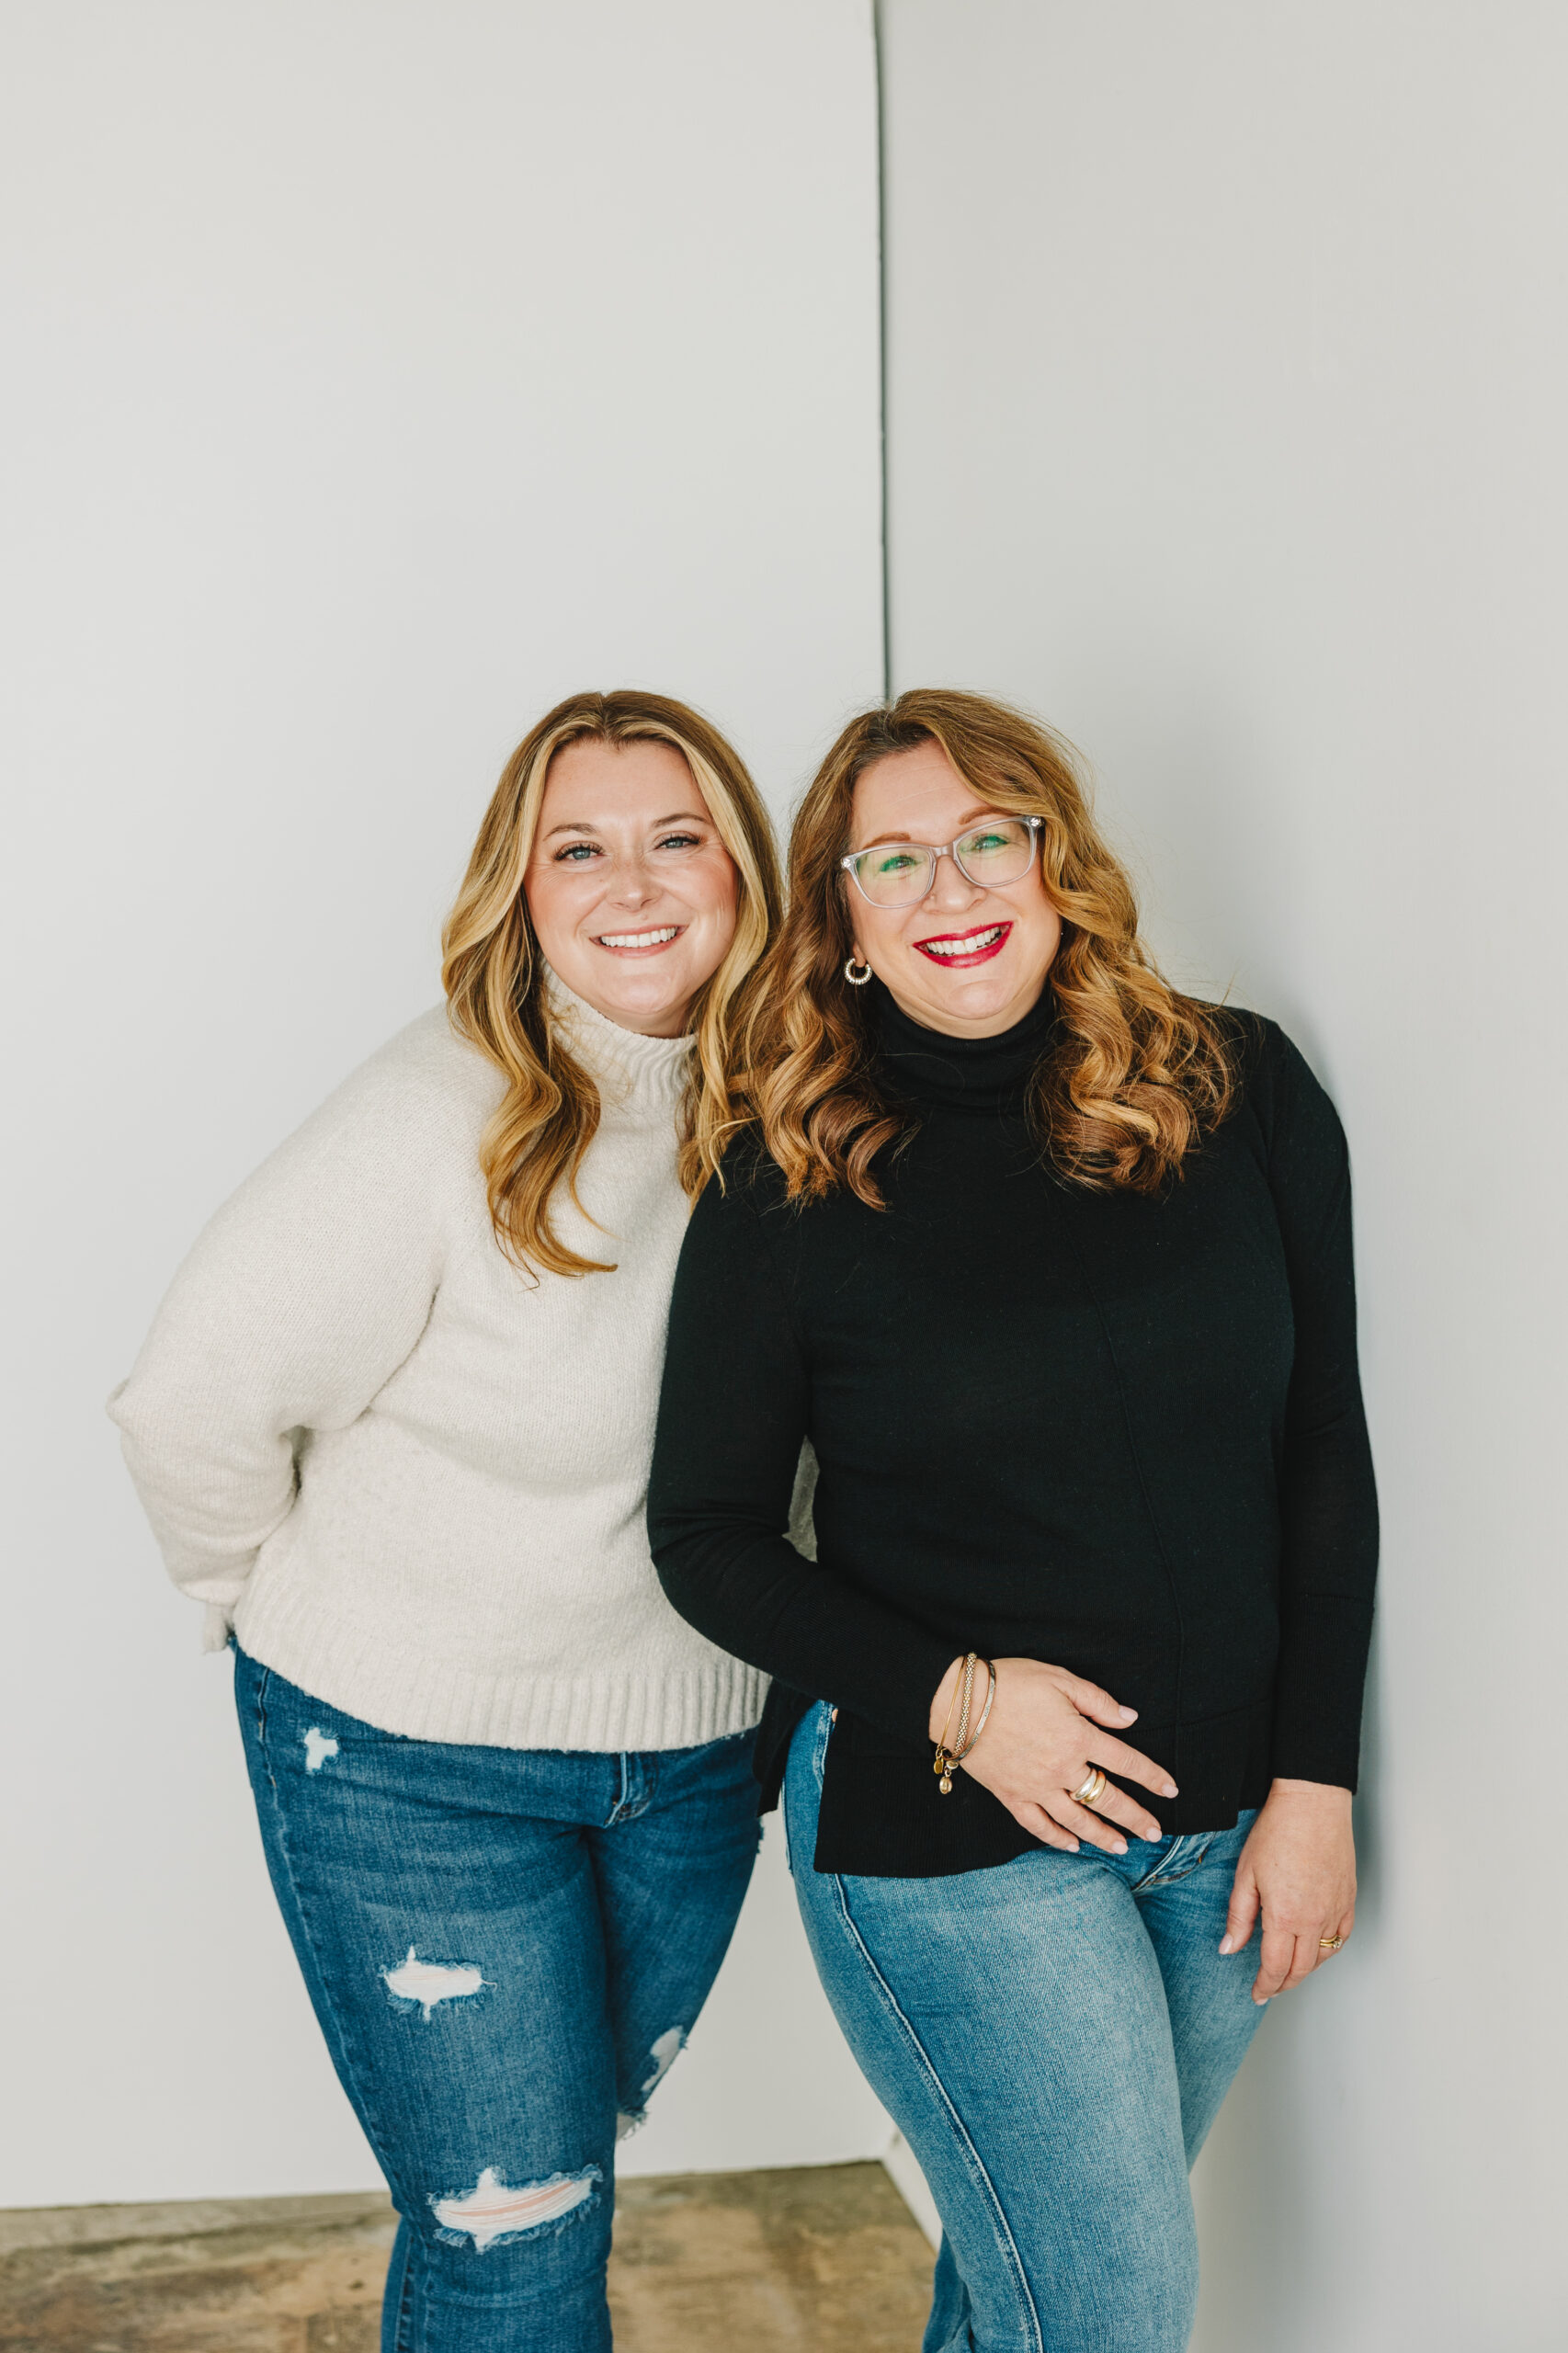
[[1212, 822], [1258, 2163]]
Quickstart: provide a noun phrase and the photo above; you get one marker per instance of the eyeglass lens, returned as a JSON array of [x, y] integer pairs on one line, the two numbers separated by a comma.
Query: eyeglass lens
[[899, 874]]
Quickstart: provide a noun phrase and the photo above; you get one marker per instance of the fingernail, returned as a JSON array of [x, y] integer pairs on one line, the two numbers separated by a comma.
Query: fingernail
[[1121, 1849], [1130, 1716], [1225, 1944], [1261, 2001], [1169, 1791]]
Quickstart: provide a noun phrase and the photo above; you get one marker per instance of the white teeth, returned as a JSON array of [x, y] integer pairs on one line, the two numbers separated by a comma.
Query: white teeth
[[968, 945], [638, 938]]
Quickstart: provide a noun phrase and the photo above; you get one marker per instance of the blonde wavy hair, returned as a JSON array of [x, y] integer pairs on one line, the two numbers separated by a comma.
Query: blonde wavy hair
[[492, 972], [1136, 1072]]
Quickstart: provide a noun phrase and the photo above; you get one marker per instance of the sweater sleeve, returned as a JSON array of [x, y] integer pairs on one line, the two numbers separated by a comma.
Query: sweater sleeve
[[1328, 1496], [300, 1299], [734, 1410]]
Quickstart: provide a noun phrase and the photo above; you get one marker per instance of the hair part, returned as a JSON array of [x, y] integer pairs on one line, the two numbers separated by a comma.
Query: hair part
[[1137, 1073], [493, 971]]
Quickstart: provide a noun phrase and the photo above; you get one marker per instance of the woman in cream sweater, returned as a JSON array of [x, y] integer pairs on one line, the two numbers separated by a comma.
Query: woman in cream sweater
[[392, 1427]]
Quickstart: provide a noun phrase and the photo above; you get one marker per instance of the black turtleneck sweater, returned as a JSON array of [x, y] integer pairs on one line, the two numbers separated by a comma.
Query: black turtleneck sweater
[[1119, 1433]]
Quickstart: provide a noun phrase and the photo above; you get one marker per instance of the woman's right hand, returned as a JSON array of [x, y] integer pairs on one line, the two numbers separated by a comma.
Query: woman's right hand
[[1046, 1732]]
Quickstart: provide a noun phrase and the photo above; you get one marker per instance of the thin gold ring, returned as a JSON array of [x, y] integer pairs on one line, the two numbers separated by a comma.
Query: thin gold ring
[[1330, 1944], [1093, 1788]]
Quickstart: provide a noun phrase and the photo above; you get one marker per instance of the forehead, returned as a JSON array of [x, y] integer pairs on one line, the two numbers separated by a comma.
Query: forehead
[[917, 793], [591, 778]]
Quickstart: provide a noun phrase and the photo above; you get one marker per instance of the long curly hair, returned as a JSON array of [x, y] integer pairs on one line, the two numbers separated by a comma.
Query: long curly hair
[[1136, 1072], [492, 972]]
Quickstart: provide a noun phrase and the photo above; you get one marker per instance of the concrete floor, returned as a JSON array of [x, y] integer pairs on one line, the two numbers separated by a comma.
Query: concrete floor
[[822, 2257]]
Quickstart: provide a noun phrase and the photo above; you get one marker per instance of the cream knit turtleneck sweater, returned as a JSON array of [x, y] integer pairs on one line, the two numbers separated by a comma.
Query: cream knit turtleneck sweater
[[412, 1478]]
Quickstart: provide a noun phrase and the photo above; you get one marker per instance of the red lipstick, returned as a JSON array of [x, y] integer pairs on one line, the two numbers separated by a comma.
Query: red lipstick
[[990, 939]]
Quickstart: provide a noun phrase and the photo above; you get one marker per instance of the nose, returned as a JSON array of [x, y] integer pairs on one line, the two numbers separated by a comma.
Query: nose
[[952, 889], [631, 885]]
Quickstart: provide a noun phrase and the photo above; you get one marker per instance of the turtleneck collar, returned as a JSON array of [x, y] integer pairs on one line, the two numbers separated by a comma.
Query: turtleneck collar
[[633, 1073], [962, 1074]]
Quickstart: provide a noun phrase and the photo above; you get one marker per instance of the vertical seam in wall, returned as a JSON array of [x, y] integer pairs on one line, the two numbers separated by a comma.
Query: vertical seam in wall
[[876, 49]]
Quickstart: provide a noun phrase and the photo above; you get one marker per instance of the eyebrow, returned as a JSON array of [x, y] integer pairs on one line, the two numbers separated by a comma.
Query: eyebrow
[[586, 824], [973, 819]]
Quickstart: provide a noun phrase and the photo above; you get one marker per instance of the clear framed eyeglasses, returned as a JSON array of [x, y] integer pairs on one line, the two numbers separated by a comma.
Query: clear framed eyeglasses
[[900, 874]]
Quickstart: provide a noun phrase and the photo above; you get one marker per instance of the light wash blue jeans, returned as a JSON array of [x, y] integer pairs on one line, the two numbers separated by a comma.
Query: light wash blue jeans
[[505, 1950], [1053, 2039]]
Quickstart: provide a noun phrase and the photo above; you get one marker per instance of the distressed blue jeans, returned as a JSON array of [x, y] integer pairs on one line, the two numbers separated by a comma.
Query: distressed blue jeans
[[505, 1950], [1053, 2038]]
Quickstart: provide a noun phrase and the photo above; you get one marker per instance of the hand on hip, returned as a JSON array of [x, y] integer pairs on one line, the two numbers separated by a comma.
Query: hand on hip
[[1046, 1743]]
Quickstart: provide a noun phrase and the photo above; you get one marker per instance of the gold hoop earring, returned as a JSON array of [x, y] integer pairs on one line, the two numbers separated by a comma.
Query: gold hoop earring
[[857, 977]]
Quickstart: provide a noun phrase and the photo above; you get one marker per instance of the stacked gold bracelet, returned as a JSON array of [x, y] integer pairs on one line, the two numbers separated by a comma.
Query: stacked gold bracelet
[[964, 1739]]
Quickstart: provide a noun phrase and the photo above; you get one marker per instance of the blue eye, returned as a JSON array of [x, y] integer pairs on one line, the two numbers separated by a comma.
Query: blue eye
[[576, 853], [681, 841]]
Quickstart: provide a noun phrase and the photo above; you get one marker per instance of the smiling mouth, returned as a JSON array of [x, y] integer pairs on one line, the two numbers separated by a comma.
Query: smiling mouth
[[640, 943], [960, 950]]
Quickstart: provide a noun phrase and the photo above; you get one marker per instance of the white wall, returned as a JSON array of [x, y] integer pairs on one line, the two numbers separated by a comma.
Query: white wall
[[1229, 372], [376, 373]]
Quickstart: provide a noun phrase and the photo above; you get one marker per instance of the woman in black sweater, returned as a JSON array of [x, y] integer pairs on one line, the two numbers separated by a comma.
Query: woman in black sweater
[[1051, 1266]]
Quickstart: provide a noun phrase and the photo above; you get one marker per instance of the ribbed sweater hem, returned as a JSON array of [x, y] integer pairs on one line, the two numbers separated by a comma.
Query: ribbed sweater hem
[[426, 1698]]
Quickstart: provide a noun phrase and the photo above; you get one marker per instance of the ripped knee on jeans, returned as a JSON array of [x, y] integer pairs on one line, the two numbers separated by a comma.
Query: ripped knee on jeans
[[494, 2211]]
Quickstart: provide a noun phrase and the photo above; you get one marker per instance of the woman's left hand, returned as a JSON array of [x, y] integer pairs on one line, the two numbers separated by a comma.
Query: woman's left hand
[[1299, 1866]]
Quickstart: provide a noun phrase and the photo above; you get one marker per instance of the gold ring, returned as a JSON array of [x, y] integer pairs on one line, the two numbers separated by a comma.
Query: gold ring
[[1093, 1788], [1330, 1944]]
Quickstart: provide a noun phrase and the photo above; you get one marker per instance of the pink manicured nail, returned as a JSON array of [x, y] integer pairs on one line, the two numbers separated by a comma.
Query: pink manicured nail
[[1225, 1944], [1130, 1716], [1169, 1791]]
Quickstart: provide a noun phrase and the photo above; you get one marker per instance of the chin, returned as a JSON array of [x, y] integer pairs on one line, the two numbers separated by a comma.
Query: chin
[[647, 998], [644, 999], [972, 997]]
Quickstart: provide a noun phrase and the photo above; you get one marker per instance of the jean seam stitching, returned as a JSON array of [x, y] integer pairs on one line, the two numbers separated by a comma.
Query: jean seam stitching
[[1162, 1876], [825, 1735], [403, 2334], [999, 2218], [1160, 1870], [337, 2040], [627, 1807]]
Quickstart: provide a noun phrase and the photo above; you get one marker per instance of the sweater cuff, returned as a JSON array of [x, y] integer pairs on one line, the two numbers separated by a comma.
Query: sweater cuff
[[217, 1625], [1317, 1705]]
